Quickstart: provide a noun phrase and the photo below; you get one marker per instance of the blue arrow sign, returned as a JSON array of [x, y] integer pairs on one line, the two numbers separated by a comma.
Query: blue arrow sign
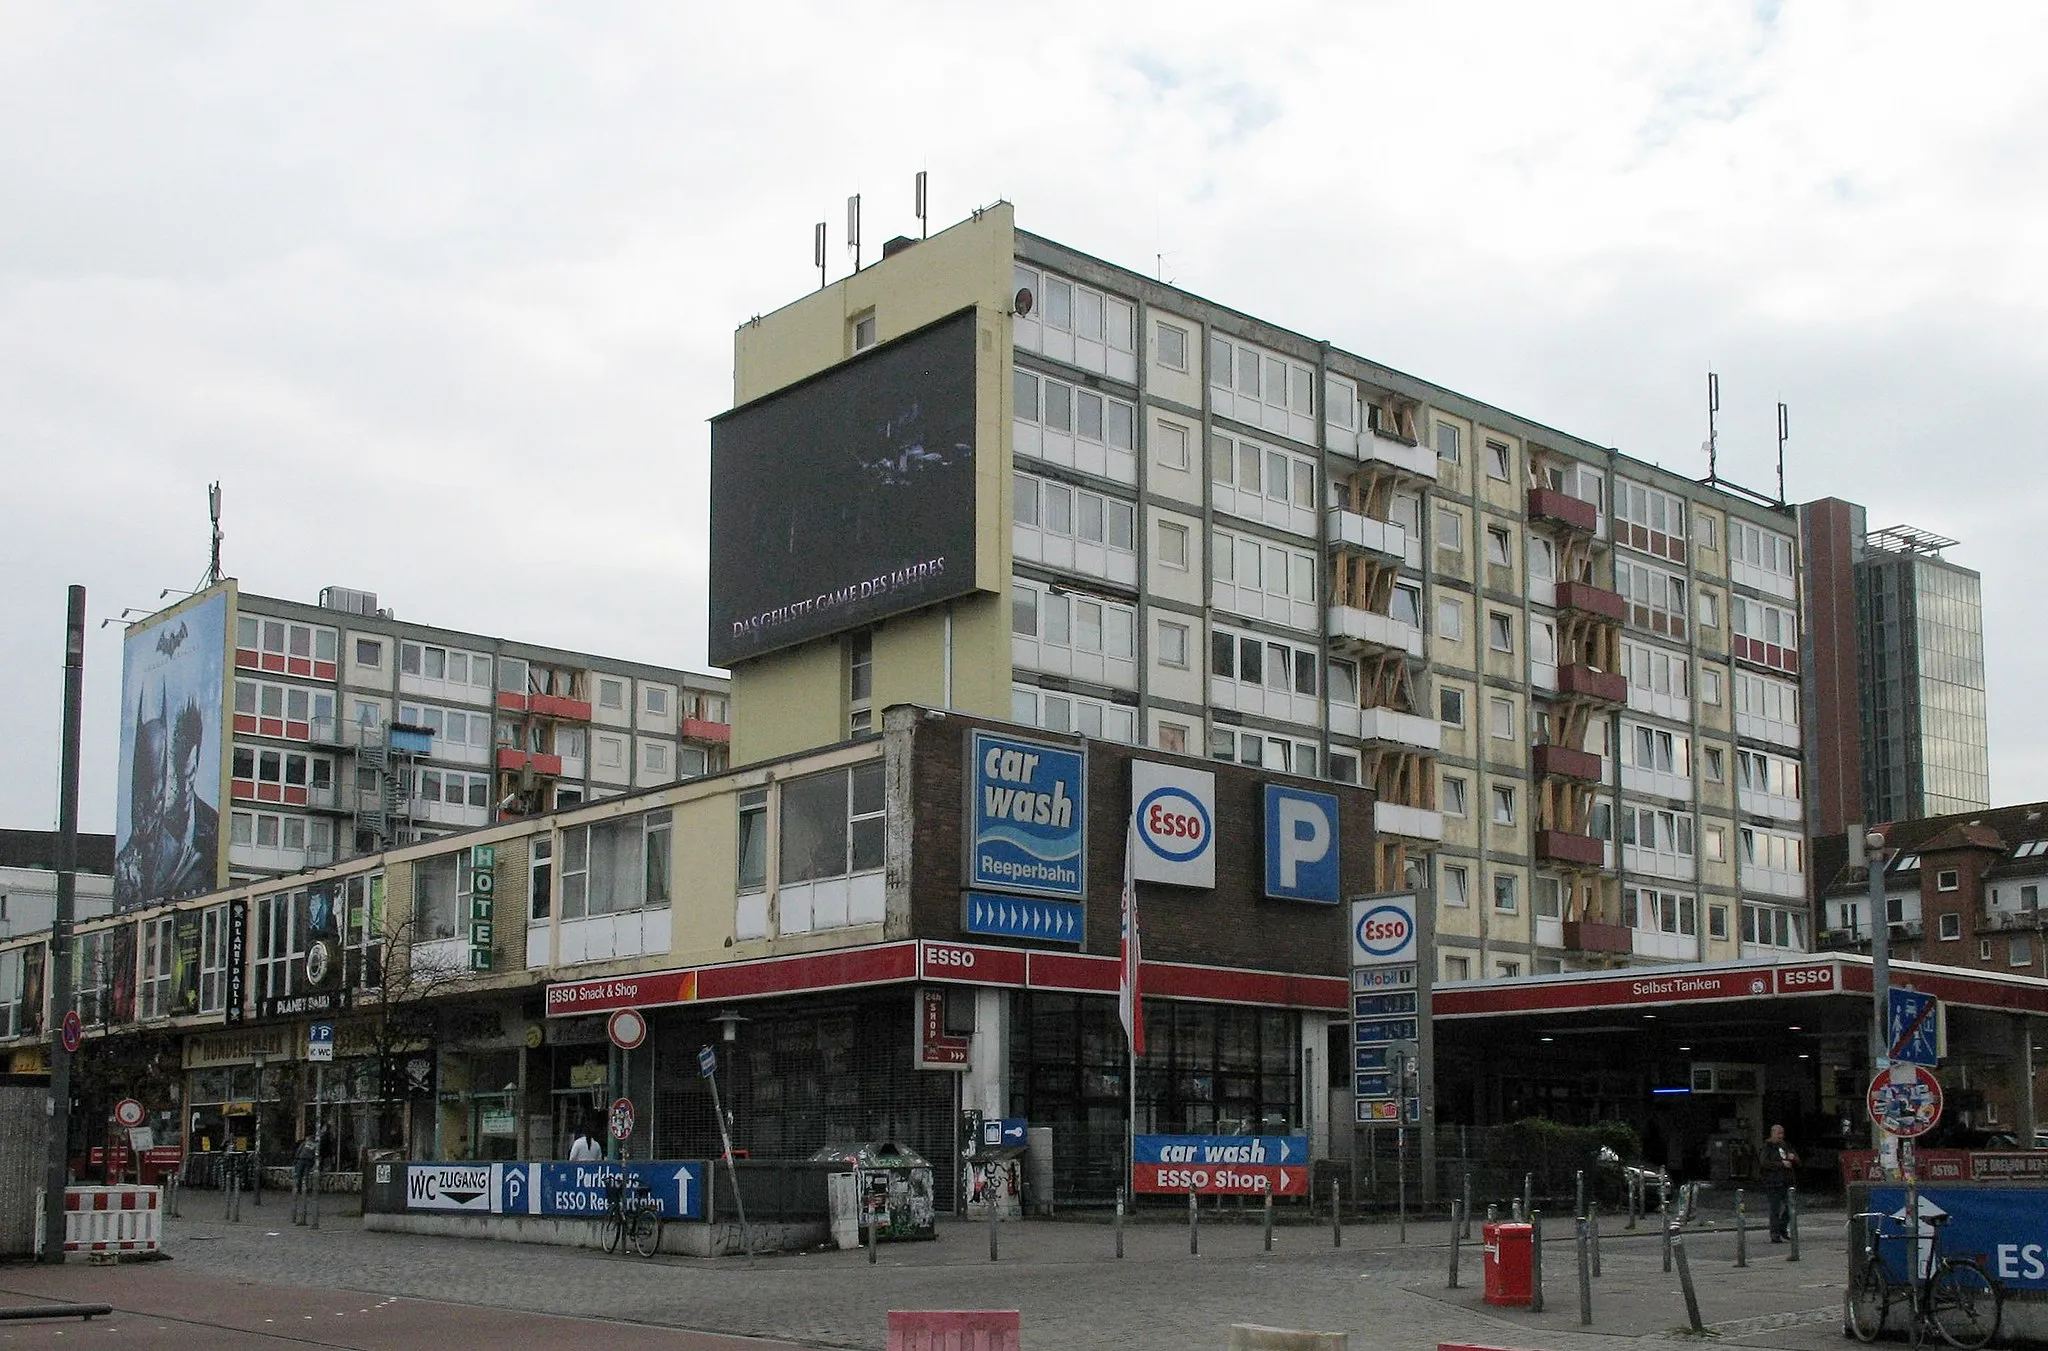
[[1914, 1024], [1025, 917]]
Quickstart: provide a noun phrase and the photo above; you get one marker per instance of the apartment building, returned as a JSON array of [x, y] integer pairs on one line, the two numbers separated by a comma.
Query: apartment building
[[1570, 676], [341, 730], [28, 881]]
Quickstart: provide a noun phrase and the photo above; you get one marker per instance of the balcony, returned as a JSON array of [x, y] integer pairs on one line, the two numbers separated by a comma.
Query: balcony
[[1563, 762], [1605, 687], [703, 729], [1410, 823], [2011, 919], [1593, 600], [518, 761], [1404, 456], [1587, 935], [558, 706], [1367, 534], [1368, 631], [1569, 847], [1386, 726], [1548, 506]]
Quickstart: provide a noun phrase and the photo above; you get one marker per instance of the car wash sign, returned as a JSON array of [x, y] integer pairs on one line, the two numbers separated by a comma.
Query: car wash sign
[[1027, 822], [1221, 1165]]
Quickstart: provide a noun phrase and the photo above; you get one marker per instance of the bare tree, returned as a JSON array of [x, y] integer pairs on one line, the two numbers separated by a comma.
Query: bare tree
[[403, 986]]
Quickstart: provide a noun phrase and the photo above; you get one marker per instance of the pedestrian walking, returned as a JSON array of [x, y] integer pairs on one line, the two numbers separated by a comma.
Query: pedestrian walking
[[1778, 1162], [303, 1157], [585, 1148]]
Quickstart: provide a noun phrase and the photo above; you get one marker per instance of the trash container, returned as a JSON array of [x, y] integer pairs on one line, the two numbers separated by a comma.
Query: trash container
[[893, 1187], [1509, 1249]]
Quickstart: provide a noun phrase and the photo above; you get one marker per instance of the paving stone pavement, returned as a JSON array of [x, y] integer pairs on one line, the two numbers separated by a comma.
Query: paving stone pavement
[[1072, 1291]]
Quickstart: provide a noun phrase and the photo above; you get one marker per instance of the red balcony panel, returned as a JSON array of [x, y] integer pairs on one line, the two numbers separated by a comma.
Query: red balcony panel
[[245, 723], [1606, 686], [295, 797], [1564, 846], [299, 731], [323, 670], [298, 666], [518, 760], [508, 758], [1586, 935], [270, 726], [273, 661], [1564, 762], [247, 658], [244, 789], [699, 729], [1592, 600], [510, 702], [1550, 505], [559, 706], [269, 792]]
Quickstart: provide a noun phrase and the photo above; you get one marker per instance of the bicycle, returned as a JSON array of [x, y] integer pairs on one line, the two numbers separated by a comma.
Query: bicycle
[[632, 1217], [1954, 1296]]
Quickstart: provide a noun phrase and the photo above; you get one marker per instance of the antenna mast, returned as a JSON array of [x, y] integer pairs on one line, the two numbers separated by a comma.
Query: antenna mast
[[1713, 436], [818, 252], [924, 217], [1784, 430], [853, 228], [213, 510]]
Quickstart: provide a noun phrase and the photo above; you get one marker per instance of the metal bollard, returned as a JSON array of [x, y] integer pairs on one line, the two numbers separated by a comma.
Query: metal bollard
[[1792, 1223], [874, 1234], [1528, 1194], [1194, 1237], [1585, 1245], [1465, 1210], [1119, 1221], [1269, 1221], [1664, 1219], [1457, 1231], [1692, 1299], [1401, 1194], [1741, 1229], [1634, 1183], [1579, 1195], [1336, 1214], [1593, 1223], [1535, 1261], [992, 1221], [1492, 1213]]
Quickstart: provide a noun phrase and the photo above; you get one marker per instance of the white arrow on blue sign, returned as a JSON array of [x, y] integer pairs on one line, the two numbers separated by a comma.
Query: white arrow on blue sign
[[1021, 917], [707, 1062]]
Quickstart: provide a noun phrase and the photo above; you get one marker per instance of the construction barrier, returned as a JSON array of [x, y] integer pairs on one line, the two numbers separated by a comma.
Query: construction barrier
[[108, 1220], [954, 1329]]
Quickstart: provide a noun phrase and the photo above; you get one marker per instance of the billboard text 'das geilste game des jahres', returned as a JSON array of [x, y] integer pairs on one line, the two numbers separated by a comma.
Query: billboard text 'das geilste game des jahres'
[[846, 498]]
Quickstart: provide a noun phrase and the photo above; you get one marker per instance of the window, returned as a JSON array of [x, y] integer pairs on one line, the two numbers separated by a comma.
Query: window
[[1173, 736], [1504, 891], [452, 788], [1765, 634], [540, 879], [1656, 751], [1068, 410], [1173, 545], [1281, 384], [832, 824], [1771, 775], [1450, 707], [153, 996], [1503, 805], [370, 653], [1947, 879], [451, 726], [1657, 672], [1499, 547], [1710, 686], [609, 867], [1173, 347], [1450, 529], [1497, 465], [1649, 521], [1449, 442], [1258, 475], [1983, 948], [279, 942], [1071, 620], [753, 841], [1171, 444], [1500, 631], [1951, 927], [1074, 513], [864, 331], [1657, 832], [1549, 898], [1710, 610], [2020, 951], [1659, 911], [1769, 707], [1771, 850], [213, 958], [1717, 922], [1173, 644], [1253, 576], [1656, 597], [654, 757], [1707, 537], [1454, 795], [1450, 619], [1249, 659], [655, 698], [1060, 712], [1264, 749], [1773, 926], [611, 693], [860, 667], [611, 752], [1500, 717], [1760, 558], [1457, 884], [446, 664], [294, 712], [1715, 765], [1405, 604]]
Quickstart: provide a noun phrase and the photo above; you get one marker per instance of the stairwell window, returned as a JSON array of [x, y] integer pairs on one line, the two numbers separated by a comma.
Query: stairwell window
[[1951, 928], [1457, 885], [1449, 442], [1497, 465], [1173, 347], [1455, 795], [1506, 889]]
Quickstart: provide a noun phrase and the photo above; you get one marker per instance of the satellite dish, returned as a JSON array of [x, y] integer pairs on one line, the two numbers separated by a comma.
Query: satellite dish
[[1024, 301]]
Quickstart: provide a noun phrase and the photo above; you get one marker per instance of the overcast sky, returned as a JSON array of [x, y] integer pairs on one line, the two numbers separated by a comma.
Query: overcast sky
[[444, 293]]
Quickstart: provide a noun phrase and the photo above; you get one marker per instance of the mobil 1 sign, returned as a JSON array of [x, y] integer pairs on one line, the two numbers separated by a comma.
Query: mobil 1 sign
[[1026, 818], [1383, 931], [1175, 811]]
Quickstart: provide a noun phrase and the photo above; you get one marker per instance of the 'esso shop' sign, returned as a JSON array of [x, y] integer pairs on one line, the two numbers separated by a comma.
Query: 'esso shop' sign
[[1175, 810], [1382, 930]]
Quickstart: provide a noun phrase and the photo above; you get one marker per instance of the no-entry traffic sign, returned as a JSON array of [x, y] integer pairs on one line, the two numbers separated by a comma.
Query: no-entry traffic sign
[[1905, 1100]]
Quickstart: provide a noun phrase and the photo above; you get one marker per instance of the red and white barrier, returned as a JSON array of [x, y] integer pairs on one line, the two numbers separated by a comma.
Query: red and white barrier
[[108, 1219], [954, 1329]]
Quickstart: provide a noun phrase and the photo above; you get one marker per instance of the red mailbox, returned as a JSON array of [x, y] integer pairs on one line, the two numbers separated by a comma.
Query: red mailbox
[[1509, 1250]]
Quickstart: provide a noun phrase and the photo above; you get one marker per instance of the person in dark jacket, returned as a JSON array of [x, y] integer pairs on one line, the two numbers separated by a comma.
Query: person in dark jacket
[[1777, 1162]]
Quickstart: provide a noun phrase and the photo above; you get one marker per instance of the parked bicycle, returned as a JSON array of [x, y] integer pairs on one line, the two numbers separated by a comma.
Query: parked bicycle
[[632, 1216], [1953, 1296]]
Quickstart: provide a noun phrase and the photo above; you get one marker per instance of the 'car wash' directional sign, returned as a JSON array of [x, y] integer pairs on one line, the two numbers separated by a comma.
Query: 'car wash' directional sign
[[1222, 1165]]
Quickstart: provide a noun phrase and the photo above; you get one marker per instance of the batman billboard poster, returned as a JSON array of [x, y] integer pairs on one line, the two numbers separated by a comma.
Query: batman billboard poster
[[846, 498], [167, 835]]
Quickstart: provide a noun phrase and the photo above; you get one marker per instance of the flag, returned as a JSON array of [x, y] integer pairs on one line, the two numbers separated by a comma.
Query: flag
[[1130, 1008]]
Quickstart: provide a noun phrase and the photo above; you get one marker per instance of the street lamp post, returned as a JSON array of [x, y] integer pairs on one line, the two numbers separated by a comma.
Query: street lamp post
[[1880, 967], [256, 1130]]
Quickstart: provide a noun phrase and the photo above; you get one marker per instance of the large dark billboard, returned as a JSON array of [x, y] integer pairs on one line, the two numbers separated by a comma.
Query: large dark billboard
[[167, 816], [846, 498]]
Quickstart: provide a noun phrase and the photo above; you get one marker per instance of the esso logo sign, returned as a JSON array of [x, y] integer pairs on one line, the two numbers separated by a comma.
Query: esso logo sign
[[1385, 931], [1807, 978], [1174, 824], [959, 959]]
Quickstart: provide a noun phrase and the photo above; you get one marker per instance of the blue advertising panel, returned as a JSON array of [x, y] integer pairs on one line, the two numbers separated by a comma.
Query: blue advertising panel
[[2005, 1228], [1027, 821], [1301, 845], [579, 1189], [167, 809]]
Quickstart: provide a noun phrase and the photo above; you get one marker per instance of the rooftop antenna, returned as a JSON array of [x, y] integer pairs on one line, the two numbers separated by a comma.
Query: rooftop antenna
[[1713, 436], [1784, 430], [818, 252], [213, 573], [853, 228], [924, 218]]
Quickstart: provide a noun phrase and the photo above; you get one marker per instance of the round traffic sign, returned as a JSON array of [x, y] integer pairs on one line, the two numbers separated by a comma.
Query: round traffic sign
[[1905, 1100], [622, 1118], [627, 1029], [73, 1030], [128, 1113]]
